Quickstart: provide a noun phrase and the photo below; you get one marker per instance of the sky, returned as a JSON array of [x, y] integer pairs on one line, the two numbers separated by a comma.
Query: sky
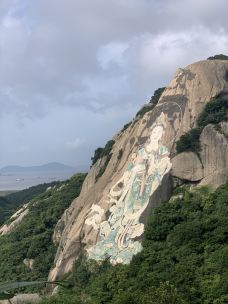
[[73, 72]]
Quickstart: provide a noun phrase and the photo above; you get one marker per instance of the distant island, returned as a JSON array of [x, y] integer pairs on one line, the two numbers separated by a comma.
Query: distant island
[[50, 167]]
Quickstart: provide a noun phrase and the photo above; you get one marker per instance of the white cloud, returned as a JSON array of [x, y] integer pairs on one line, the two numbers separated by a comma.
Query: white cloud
[[112, 53], [74, 144], [102, 58]]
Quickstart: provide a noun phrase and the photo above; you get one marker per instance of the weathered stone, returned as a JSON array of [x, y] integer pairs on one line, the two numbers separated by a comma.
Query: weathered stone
[[187, 166], [87, 224], [16, 219], [29, 263], [214, 154], [214, 180]]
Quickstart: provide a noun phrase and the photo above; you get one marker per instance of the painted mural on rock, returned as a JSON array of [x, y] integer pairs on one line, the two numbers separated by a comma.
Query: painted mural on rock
[[128, 199]]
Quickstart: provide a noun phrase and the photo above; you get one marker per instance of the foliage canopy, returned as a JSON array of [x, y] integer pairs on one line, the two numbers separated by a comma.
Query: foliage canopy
[[32, 239], [183, 261]]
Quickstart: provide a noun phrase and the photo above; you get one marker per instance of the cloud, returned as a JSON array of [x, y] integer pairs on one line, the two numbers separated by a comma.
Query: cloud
[[52, 51], [101, 58], [112, 53], [74, 144]]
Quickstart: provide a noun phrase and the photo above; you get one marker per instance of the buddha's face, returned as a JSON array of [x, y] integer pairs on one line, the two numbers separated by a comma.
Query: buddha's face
[[156, 134]]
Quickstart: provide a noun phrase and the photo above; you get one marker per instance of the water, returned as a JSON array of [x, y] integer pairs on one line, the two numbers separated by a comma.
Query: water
[[20, 181]]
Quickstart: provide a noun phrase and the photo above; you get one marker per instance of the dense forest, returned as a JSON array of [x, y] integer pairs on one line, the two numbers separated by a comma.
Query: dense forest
[[32, 239], [11, 202], [184, 258]]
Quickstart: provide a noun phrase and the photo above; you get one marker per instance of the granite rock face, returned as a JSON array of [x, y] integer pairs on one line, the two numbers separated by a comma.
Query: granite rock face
[[214, 155], [211, 166], [187, 166], [108, 217]]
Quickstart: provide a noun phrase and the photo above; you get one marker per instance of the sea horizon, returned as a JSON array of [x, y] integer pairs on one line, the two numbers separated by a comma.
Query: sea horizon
[[20, 181]]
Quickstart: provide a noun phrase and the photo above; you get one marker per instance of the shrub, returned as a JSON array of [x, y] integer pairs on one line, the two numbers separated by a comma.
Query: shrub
[[214, 112], [101, 152], [157, 94], [218, 57], [153, 101], [189, 141], [226, 76], [126, 126], [120, 154]]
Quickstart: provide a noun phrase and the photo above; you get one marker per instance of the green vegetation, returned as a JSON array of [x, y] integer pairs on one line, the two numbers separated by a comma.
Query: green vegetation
[[214, 112], [189, 141], [226, 76], [32, 239], [5, 209], [24, 196], [103, 168], [126, 126], [11, 202], [8, 290], [7, 192], [120, 154], [106, 151], [157, 94], [101, 152], [153, 101], [218, 57], [184, 258]]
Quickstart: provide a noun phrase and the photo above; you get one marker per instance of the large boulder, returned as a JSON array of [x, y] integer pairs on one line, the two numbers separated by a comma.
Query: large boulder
[[187, 166]]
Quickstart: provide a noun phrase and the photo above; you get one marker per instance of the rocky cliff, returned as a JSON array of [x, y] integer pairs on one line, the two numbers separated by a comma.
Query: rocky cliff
[[107, 219]]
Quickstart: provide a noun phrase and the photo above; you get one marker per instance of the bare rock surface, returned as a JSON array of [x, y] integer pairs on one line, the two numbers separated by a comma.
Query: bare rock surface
[[29, 263], [214, 155], [15, 219], [187, 166], [109, 215]]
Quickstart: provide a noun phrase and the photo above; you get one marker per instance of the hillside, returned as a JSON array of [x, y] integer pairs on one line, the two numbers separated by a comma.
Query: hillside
[[148, 223], [29, 245], [183, 261], [142, 165], [10, 202]]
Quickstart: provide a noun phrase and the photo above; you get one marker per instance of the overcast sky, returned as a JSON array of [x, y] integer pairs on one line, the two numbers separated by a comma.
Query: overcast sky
[[72, 72]]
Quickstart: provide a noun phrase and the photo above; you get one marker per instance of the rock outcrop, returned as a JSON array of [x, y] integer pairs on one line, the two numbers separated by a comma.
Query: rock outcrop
[[210, 167], [15, 220], [214, 155], [108, 218], [187, 166], [29, 263]]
